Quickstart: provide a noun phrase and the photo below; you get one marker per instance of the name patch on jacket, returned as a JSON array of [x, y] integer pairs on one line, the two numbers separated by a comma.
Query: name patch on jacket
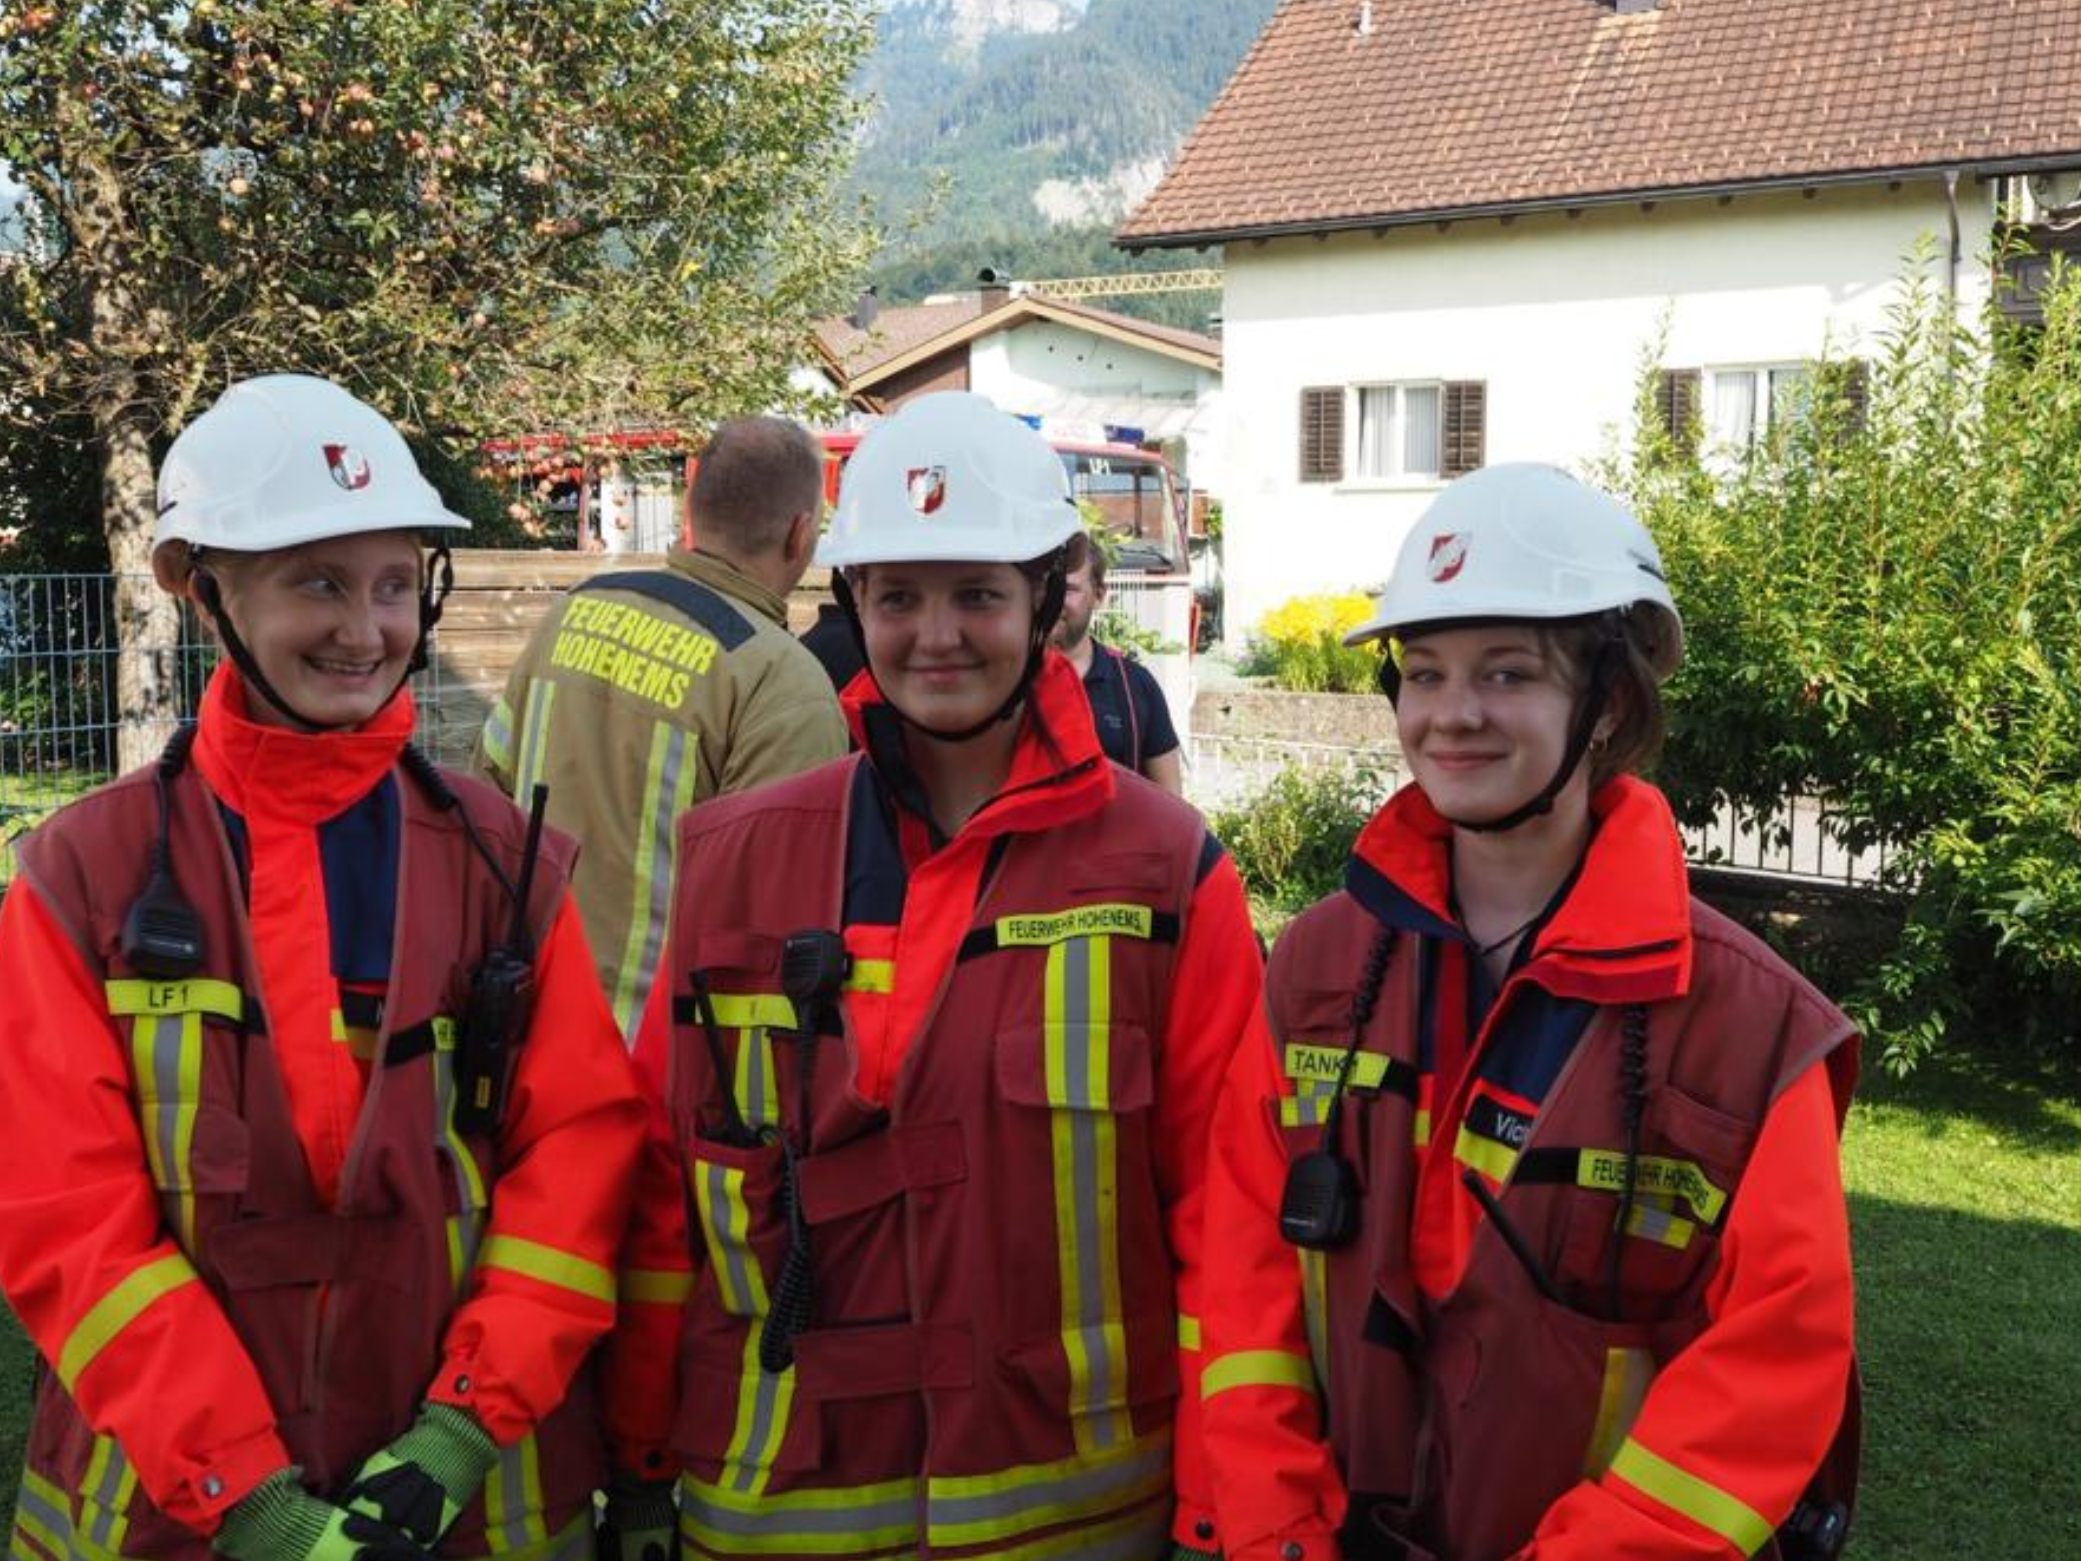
[[1605, 1170], [1324, 1063], [1083, 921]]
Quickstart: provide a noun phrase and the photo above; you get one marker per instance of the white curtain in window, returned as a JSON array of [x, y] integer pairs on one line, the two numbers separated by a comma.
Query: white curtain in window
[[1734, 408], [1376, 408], [1420, 447]]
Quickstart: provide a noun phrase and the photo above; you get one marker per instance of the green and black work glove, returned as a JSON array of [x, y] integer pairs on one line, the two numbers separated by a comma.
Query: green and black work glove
[[420, 1483], [641, 1523], [278, 1520]]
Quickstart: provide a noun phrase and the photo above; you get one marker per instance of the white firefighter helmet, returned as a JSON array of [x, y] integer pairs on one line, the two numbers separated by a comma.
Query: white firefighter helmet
[[1527, 541], [948, 478], [286, 459]]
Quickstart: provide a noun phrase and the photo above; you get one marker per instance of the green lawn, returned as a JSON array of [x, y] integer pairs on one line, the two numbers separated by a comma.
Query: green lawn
[[1965, 1187], [26, 800]]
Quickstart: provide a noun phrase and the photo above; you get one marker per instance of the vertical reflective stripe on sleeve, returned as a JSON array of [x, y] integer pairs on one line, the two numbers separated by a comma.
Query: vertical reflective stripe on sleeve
[[858, 1520], [498, 735], [1628, 1371], [1704, 1503], [1077, 1035], [1001, 1510], [668, 789], [166, 1056], [534, 739], [105, 1505], [764, 1399], [466, 1225], [757, 1095], [513, 1499]]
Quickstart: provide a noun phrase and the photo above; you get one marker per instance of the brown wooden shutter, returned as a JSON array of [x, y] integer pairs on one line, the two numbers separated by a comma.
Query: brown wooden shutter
[[1676, 397], [1322, 433], [1465, 436]]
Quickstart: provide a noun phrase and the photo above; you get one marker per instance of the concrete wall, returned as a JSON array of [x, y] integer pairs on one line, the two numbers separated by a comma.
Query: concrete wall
[[1555, 314]]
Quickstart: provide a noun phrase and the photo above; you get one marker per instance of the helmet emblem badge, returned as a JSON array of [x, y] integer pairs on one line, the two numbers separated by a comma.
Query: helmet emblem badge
[[928, 488], [1448, 556], [350, 468]]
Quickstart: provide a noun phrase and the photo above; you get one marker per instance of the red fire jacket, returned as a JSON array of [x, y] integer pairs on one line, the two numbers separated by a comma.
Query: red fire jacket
[[1417, 1385], [200, 1208], [1004, 1187]]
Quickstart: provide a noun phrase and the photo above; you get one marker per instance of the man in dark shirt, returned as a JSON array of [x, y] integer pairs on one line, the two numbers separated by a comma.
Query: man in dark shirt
[[1134, 724]]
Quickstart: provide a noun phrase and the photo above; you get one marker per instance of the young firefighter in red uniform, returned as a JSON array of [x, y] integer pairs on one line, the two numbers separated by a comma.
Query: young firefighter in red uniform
[[1533, 1234], [945, 1025], [311, 1225]]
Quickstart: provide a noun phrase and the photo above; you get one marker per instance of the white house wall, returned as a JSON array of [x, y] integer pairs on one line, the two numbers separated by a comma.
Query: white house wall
[[1554, 314]]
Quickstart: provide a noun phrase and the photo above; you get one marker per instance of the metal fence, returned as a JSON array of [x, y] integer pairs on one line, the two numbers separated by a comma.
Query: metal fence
[[58, 737], [1797, 840]]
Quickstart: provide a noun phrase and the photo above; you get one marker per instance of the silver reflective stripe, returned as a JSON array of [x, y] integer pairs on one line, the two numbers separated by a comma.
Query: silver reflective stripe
[[668, 791], [780, 1519], [1045, 1499], [107, 1501]]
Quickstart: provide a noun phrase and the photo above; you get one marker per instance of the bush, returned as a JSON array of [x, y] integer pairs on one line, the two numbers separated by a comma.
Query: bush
[[1290, 839], [1300, 646], [1885, 612]]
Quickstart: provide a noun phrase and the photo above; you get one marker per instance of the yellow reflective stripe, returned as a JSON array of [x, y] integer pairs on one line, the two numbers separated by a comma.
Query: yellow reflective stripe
[[764, 1403], [1320, 1064], [656, 1286], [1652, 1221], [117, 1310], [43, 1513], [1076, 1029], [1605, 1171], [989, 1509], [668, 789], [746, 1010], [1315, 1309], [1705, 1504], [166, 1060], [1081, 921], [845, 1520], [726, 1229], [1188, 1332], [219, 999], [1495, 1161], [534, 738], [458, 1259], [1306, 1108], [513, 1523], [1628, 1370], [1144, 1532], [105, 1496], [566, 1270], [758, 1096], [871, 975], [445, 1032], [1257, 1369], [498, 734], [573, 1542], [1422, 1135]]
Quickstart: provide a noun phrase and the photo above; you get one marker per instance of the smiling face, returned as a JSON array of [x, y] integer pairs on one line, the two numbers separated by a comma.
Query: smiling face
[[331, 624], [947, 642], [1484, 716]]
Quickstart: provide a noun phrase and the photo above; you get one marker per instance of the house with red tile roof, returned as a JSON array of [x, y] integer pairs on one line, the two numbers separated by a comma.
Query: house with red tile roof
[[1454, 231], [1087, 372]]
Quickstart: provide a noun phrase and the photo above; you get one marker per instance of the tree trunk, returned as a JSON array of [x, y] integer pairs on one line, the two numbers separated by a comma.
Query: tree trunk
[[119, 337], [148, 621]]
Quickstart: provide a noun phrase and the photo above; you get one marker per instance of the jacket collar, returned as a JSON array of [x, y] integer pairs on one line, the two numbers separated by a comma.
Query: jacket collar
[[718, 573], [1058, 770], [292, 777], [1622, 934]]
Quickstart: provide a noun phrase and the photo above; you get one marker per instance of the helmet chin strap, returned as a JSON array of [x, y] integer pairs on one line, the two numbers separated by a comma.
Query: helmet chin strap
[[440, 565], [1050, 608], [1580, 736]]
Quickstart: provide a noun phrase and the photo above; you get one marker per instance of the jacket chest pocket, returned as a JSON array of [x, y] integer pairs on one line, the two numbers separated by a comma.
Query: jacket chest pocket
[[1691, 1159]]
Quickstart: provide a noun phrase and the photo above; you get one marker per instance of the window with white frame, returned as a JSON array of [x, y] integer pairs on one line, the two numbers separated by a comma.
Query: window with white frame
[[1743, 405], [1399, 431]]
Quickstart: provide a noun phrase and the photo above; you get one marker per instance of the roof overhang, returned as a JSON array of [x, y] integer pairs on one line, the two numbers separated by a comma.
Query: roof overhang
[[1377, 222], [1016, 310]]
